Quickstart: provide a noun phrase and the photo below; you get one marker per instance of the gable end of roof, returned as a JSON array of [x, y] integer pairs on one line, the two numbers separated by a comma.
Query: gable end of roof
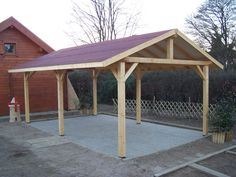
[[11, 21], [141, 46], [213, 60]]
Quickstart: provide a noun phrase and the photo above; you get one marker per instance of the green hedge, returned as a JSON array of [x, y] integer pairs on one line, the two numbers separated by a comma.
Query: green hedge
[[168, 86]]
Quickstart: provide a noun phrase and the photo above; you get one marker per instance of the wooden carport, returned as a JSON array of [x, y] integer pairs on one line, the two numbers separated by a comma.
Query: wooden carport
[[165, 50]]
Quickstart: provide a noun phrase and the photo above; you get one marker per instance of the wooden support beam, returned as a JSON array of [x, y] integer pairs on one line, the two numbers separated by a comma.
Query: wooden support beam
[[205, 99], [165, 61], [170, 48], [114, 72], [138, 75], [94, 76], [60, 101], [27, 76], [130, 70], [121, 111], [199, 71]]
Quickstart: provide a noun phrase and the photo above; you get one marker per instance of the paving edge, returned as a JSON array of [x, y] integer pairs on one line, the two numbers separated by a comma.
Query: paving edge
[[193, 161], [158, 122]]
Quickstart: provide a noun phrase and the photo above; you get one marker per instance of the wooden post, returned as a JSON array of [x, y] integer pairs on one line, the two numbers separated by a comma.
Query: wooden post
[[170, 48], [205, 99], [27, 76], [26, 94], [138, 96], [60, 101], [121, 110], [94, 76]]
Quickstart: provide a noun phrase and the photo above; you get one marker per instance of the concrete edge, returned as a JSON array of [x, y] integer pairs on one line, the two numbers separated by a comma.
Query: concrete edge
[[193, 161], [6, 118], [158, 122]]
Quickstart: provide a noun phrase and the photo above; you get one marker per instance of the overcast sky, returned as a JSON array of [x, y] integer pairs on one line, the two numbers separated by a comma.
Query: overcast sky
[[48, 19]]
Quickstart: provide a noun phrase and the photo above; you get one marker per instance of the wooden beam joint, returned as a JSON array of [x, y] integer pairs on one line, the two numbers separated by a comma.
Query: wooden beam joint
[[130, 70]]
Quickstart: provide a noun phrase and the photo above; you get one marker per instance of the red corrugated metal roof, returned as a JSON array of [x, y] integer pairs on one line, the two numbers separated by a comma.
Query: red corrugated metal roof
[[11, 21], [97, 52]]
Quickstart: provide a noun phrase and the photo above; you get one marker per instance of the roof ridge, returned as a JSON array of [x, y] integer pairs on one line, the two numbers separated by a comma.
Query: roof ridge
[[115, 40]]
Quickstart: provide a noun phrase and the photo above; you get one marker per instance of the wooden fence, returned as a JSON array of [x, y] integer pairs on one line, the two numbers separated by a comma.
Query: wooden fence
[[187, 110]]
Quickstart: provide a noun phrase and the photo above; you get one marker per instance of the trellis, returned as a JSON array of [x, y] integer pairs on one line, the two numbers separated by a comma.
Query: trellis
[[186, 110]]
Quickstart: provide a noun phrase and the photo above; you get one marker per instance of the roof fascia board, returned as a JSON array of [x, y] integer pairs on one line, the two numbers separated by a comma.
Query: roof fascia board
[[59, 67]]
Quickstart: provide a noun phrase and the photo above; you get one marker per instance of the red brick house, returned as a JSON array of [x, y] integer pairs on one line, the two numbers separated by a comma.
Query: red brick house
[[19, 45]]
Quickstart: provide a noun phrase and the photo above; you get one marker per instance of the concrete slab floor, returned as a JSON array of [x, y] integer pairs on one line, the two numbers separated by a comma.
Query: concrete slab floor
[[27, 151], [99, 133]]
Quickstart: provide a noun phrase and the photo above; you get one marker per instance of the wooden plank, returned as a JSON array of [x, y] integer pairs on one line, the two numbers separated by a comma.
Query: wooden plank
[[26, 96], [183, 51], [94, 73], [169, 170], [131, 69], [205, 100], [165, 61], [207, 170], [114, 72], [200, 72], [121, 111], [137, 54], [157, 67], [27, 76], [153, 54], [59, 67], [145, 53], [151, 51], [158, 49], [60, 100], [138, 75], [170, 48]]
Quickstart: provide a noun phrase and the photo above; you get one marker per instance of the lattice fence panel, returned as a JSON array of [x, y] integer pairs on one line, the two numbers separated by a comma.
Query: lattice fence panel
[[168, 109]]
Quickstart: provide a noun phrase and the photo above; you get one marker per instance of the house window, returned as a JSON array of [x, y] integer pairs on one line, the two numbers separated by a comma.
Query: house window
[[10, 48]]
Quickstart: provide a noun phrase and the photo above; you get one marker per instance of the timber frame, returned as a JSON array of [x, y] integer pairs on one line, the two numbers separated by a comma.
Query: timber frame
[[163, 52]]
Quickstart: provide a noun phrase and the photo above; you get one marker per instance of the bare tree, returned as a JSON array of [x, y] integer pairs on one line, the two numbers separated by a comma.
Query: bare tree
[[214, 26], [101, 20]]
